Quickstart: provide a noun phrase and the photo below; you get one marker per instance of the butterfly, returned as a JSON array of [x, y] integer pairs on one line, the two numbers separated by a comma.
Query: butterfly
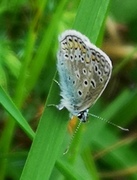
[[84, 72]]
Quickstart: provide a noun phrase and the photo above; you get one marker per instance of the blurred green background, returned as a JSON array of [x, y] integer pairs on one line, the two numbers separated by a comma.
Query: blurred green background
[[28, 45]]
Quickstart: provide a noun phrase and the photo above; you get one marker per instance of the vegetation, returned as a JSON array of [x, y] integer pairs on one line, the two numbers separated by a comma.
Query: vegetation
[[34, 135]]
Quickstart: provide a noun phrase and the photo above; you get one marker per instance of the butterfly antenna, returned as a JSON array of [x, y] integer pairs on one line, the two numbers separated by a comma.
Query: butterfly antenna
[[70, 142], [123, 129]]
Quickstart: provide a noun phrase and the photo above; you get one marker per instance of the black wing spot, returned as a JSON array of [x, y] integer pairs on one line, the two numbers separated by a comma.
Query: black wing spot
[[79, 92], [96, 68], [66, 56], [85, 82], [99, 73], [101, 79], [93, 84], [70, 39], [84, 71], [78, 75]]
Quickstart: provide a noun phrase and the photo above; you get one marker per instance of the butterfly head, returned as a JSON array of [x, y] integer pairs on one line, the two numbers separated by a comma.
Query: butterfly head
[[83, 115]]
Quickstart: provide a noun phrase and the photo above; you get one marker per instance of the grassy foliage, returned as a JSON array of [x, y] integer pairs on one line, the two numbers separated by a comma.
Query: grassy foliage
[[28, 46]]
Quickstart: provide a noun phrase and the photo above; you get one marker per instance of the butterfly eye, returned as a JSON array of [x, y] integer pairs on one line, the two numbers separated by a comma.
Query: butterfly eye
[[83, 116], [80, 115]]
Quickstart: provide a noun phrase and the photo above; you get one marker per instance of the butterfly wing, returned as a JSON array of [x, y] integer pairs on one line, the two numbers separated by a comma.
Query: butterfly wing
[[84, 71]]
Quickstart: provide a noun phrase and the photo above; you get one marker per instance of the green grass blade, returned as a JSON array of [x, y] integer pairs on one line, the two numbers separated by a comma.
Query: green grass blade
[[47, 143], [10, 107], [42, 52], [90, 17], [46, 147]]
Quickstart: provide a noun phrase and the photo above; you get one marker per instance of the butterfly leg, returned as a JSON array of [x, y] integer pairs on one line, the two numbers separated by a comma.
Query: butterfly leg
[[59, 106]]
